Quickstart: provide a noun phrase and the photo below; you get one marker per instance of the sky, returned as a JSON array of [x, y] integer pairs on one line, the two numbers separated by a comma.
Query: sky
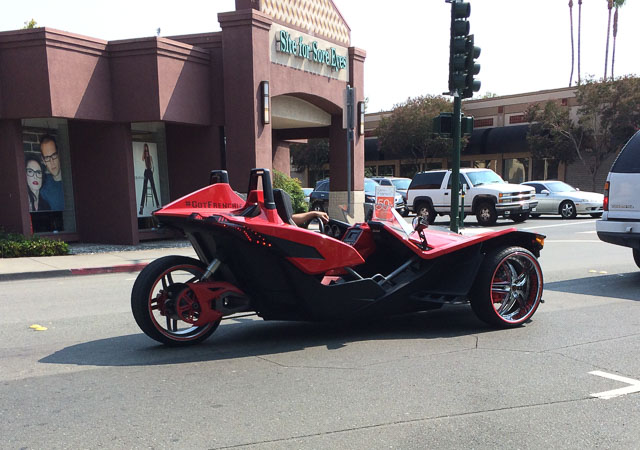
[[526, 45]]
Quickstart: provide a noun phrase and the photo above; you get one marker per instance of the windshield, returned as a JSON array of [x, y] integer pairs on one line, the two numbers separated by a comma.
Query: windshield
[[559, 186], [402, 184], [484, 177]]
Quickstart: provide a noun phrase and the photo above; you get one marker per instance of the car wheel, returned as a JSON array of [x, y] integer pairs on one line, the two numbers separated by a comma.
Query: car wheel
[[486, 214], [596, 215], [567, 210], [519, 218], [317, 206], [508, 287], [636, 257], [426, 210]]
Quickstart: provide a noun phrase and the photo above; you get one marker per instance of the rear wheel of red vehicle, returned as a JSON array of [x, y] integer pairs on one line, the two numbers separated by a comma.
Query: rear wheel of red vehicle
[[156, 297], [508, 288]]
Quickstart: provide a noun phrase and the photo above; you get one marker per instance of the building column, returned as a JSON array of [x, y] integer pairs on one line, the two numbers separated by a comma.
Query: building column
[[246, 63], [281, 157], [103, 180], [203, 145], [14, 202]]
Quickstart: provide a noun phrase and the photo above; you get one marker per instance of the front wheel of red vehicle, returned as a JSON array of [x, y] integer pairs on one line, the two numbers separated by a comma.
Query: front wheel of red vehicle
[[508, 288], [159, 298]]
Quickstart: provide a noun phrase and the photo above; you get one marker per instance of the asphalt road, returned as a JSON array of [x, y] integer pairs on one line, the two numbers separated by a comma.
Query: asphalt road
[[435, 380]]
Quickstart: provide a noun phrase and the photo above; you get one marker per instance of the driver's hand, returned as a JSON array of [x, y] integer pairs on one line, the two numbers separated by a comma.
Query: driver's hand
[[321, 215]]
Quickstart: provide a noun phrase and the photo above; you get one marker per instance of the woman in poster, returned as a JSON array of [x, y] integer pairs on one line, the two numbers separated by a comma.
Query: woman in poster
[[148, 178], [34, 183]]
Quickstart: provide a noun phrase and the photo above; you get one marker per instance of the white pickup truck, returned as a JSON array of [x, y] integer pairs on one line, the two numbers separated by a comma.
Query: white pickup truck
[[487, 196]]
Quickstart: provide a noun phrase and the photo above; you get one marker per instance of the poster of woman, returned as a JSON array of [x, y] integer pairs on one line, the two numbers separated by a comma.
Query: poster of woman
[[145, 169]]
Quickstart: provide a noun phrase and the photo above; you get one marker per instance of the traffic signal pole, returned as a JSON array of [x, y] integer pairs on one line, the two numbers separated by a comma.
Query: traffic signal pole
[[455, 161], [462, 69]]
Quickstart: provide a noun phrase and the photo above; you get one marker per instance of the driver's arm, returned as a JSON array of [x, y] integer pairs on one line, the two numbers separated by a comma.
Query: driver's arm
[[301, 219]]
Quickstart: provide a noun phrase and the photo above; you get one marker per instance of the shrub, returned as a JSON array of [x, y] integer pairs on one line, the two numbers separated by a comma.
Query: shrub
[[16, 245], [293, 188]]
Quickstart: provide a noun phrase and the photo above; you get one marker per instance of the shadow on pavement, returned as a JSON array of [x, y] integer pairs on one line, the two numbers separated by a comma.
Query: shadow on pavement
[[623, 286], [260, 338]]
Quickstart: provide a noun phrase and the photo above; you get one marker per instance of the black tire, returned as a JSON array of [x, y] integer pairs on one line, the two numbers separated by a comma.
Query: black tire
[[534, 215], [486, 214], [425, 209], [636, 257], [155, 280], [519, 218], [317, 206], [508, 287], [567, 209], [596, 215]]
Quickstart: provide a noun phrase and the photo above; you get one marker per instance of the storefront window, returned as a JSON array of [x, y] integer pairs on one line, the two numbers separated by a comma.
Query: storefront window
[[150, 170], [545, 169], [48, 175], [515, 170], [485, 164], [409, 170], [386, 171]]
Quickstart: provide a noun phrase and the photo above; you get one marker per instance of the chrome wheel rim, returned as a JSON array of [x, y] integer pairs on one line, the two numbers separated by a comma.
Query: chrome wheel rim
[[516, 287], [567, 210]]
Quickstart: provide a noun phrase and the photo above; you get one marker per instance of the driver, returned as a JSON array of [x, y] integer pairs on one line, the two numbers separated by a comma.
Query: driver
[[303, 219]]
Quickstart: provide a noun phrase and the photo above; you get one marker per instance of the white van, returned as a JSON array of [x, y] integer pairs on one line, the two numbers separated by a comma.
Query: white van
[[620, 223]]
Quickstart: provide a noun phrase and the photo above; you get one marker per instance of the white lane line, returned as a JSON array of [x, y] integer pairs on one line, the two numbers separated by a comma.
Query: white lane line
[[635, 386], [586, 232], [560, 225]]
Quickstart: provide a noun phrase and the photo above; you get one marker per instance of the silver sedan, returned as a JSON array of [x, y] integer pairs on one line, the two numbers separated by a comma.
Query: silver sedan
[[557, 197]]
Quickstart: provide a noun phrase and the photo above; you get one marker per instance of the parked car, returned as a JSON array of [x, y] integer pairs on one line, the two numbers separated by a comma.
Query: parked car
[[487, 196], [319, 198], [620, 222], [401, 185], [558, 197]]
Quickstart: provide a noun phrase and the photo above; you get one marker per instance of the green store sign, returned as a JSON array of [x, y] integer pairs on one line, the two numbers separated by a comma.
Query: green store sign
[[297, 47]]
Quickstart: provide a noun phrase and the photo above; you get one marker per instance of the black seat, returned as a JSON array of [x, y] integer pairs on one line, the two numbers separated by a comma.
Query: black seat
[[283, 205]]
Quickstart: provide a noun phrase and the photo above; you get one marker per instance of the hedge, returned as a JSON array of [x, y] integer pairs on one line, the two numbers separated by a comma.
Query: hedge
[[293, 188], [16, 245]]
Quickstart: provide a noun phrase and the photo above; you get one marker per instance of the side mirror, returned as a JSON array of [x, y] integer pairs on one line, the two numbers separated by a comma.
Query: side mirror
[[545, 192], [420, 223], [577, 189]]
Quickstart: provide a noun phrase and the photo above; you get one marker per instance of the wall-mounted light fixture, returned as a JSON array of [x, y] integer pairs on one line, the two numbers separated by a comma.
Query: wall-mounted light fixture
[[266, 114], [361, 118]]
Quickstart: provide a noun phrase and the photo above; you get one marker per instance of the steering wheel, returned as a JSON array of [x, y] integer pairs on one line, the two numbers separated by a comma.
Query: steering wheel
[[320, 224]]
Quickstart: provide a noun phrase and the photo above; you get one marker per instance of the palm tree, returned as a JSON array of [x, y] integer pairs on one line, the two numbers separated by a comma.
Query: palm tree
[[572, 53], [618, 4], [579, 30], [606, 55]]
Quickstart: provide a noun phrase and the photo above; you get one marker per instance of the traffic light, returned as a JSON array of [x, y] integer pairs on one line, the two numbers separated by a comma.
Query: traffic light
[[462, 52]]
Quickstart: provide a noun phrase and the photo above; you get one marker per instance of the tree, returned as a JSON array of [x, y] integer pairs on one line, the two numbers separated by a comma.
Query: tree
[[30, 24], [572, 49], [579, 34], [618, 4], [311, 156], [408, 132], [606, 54], [608, 115]]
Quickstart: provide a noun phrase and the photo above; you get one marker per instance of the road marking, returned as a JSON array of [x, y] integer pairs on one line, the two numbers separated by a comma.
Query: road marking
[[587, 232], [635, 386], [560, 225]]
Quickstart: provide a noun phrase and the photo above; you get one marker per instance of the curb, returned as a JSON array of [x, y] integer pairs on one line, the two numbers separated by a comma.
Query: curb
[[69, 272]]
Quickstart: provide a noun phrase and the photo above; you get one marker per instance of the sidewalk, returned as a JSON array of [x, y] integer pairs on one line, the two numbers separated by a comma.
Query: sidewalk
[[91, 259]]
